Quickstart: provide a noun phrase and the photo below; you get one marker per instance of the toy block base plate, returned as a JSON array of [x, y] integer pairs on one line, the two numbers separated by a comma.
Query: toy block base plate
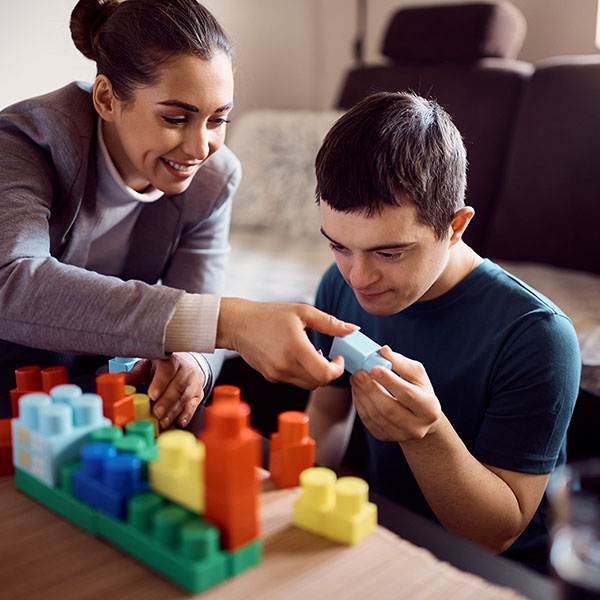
[[57, 500]]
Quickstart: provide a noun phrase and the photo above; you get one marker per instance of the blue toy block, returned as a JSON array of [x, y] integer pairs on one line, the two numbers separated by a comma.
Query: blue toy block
[[107, 479], [359, 352], [121, 364], [50, 430]]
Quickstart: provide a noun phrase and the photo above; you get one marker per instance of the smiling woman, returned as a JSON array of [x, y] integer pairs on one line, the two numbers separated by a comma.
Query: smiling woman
[[115, 203]]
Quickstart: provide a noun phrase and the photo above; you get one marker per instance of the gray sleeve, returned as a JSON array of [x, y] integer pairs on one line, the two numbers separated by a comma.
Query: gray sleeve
[[199, 262], [50, 305]]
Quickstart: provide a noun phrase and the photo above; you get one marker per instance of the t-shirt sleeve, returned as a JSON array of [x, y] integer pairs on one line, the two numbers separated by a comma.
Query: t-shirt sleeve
[[533, 389]]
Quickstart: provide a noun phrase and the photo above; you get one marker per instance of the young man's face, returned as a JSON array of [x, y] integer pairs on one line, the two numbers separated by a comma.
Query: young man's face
[[390, 260]]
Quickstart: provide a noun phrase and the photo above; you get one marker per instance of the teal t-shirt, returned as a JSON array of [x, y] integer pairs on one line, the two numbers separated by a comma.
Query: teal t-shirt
[[504, 363]]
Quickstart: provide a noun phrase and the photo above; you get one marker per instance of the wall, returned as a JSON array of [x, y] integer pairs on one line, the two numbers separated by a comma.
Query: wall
[[289, 53]]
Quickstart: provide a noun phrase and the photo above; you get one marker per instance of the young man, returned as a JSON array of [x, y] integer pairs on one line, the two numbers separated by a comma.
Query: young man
[[472, 419]]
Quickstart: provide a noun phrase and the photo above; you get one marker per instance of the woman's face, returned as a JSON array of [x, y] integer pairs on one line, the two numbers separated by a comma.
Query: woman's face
[[167, 131]]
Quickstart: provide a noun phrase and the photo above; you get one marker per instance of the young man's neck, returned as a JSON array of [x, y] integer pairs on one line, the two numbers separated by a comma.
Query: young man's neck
[[461, 262]]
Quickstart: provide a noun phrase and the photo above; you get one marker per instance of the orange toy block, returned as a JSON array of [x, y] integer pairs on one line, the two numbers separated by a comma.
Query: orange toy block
[[28, 379], [116, 405], [226, 393], [291, 450], [6, 457], [53, 376], [232, 457]]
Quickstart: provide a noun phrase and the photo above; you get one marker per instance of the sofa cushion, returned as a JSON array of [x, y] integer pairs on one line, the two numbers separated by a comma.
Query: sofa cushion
[[455, 32], [548, 210]]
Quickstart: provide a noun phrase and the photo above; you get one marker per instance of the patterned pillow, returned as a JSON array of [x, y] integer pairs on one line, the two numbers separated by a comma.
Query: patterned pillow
[[277, 149]]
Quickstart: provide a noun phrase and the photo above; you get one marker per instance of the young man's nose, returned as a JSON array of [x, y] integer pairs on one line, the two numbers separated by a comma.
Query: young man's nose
[[362, 274]]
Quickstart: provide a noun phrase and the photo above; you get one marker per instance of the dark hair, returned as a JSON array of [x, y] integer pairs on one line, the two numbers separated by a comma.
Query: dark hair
[[130, 39], [390, 147]]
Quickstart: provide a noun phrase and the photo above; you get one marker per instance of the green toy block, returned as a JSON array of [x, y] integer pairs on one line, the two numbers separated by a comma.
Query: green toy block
[[169, 539], [106, 434], [58, 501], [243, 559]]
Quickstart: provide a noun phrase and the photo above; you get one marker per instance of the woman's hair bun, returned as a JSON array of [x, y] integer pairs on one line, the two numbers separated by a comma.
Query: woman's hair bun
[[87, 18]]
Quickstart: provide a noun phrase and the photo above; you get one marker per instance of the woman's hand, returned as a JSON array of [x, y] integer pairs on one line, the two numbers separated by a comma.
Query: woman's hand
[[175, 386], [272, 338]]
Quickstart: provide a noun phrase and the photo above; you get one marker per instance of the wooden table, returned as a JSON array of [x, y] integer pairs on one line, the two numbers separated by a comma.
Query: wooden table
[[44, 556]]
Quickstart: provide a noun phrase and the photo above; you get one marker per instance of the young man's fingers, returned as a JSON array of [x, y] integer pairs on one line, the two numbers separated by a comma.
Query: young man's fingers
[[410, 370]]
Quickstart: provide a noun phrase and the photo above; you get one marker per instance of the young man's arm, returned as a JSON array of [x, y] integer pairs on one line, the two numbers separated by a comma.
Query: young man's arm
[[488, 505], [331, 414]]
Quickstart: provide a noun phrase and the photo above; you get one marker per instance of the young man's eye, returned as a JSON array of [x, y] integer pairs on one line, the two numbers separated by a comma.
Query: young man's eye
[[389, 255], [175, 120]]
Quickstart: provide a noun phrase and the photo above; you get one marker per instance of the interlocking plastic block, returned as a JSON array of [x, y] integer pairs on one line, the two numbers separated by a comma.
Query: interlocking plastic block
[[178, 473], [107, 479], [121, 364], [232, 457], [117, 406], [48, 434], [291, 450], [53, 376], [338, 510], [359, 352], [227, 393], [58, 500], [28, 379], [6, 458], [180, 545], [141, 410]]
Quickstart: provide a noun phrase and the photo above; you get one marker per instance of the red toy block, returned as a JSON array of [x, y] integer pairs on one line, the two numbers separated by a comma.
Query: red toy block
[[291, 449], [53, 376], [232, 457], [227, 393], [28, 379], [6, 458], [116, 405]]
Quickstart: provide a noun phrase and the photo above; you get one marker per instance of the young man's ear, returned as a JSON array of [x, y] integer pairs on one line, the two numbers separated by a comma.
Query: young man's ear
[[460, 222], [104, 97]]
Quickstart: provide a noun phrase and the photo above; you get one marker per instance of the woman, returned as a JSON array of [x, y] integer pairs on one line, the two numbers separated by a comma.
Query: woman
[[115, 203]]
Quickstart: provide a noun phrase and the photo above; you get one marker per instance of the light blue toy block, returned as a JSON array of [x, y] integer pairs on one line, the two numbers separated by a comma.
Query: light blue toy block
[[121, 364], [359, 352], [49, 431]]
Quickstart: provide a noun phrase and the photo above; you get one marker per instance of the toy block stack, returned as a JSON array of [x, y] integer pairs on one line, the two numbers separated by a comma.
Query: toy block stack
[[291, 450], [145, 495], [186, 507]]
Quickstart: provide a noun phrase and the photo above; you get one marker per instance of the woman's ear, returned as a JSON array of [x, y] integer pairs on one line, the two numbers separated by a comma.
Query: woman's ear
[[104, 98], [460, 222]]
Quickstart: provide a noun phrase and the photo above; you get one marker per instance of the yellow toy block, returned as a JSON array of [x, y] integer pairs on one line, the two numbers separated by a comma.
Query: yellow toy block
[[336, 509], [141, 409], [178, 472]]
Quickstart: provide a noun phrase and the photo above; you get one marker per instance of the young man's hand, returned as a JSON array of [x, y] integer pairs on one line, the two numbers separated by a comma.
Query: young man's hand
[[175, 386], [272, 338], [396, 406]]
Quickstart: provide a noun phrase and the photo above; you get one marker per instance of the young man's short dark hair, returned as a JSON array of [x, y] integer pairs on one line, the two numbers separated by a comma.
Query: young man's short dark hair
[[390, 147]]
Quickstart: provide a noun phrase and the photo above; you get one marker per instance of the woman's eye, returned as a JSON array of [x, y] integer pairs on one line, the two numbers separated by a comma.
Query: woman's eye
[[220, 121], [175, 120]]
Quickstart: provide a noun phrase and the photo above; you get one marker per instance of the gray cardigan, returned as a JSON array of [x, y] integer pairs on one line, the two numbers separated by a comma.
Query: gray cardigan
[[48, 300]]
